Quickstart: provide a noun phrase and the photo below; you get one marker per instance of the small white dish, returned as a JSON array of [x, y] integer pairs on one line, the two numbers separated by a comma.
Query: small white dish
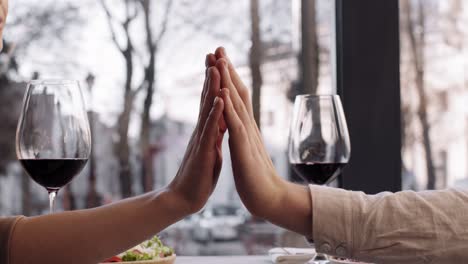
[[291, 255]]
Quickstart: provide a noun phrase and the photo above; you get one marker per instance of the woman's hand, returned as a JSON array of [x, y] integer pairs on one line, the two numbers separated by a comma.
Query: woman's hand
[[262, 191], [199, 172]]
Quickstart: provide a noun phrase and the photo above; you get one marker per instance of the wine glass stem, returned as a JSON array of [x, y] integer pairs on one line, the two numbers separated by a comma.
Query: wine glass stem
[[52, 195]]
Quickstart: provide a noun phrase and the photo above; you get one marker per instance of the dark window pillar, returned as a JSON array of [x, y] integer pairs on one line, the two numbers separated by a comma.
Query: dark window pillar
[[368, 81]]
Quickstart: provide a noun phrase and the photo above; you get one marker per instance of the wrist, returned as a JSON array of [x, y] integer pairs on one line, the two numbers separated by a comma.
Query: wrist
[[186, 203], [278, 198], [269, 200], [174, 203]]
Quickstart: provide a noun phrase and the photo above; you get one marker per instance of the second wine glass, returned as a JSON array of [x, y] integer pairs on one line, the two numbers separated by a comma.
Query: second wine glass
[[319, 144]]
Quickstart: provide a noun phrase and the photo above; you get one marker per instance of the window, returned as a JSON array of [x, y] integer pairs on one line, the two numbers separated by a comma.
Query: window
[[85, 41], [434, 45]]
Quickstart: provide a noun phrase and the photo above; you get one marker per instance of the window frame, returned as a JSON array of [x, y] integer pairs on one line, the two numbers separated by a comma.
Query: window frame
[[367, 74]]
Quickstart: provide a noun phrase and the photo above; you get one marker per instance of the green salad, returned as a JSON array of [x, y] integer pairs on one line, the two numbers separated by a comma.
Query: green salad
[[148, 250]]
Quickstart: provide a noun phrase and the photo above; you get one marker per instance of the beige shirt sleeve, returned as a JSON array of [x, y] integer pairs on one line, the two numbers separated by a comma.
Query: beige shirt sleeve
[[7, 226], [404, 227]]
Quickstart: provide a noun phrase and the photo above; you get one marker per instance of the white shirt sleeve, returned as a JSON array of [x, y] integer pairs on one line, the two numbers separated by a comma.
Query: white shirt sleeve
[[403, 227]]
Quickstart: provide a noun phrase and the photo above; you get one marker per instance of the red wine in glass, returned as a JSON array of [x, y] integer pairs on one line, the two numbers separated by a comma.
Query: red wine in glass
[[319, 144], [53, 139], [318, 173], [53, 174]]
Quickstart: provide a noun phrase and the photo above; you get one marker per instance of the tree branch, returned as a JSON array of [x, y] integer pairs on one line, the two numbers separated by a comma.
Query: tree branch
[[111, 18], [129, 17], [164, 23], [145, 4]]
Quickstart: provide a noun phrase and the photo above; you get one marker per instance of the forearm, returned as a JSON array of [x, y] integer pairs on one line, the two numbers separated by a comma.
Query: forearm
[[89, 236], [292, 210]]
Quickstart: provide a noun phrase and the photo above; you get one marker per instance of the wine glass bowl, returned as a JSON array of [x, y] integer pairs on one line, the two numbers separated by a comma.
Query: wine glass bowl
[[53, 139], [319, 145]]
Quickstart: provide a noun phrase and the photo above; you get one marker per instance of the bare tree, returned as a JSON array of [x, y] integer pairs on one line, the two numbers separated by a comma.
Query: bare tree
[[149, 82], [255, 60], [414, 24], [92, 197], [127, 50]]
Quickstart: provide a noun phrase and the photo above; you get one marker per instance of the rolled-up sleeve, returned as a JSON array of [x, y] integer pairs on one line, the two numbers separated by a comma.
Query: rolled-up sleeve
[[403, 227]]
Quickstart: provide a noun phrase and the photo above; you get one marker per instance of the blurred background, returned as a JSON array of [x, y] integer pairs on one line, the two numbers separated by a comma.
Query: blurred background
[[140, 64]]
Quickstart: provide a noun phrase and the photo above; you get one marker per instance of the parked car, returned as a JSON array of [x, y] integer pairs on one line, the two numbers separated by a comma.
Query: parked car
[[220, 222]]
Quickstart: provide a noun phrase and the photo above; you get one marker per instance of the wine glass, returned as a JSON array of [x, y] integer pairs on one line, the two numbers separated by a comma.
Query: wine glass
[[319, 144], [53, 139]]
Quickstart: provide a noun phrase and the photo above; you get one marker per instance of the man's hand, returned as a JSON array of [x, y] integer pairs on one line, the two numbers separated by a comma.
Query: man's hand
[[262, 191], [199, 172]]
